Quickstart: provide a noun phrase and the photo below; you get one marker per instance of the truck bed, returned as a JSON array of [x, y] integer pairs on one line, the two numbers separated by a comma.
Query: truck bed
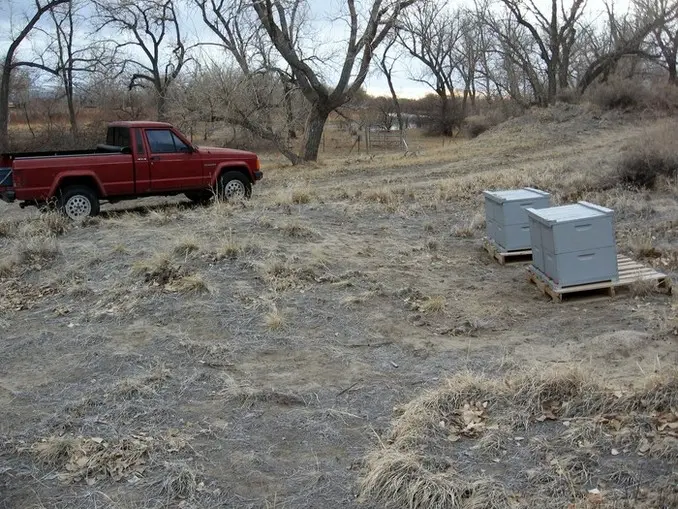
[[99, 150]]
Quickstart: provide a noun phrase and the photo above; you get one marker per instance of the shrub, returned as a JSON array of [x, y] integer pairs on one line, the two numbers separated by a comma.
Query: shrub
[[618, 94], [569, 96], [633, 95], [476, 125], [651, 157]]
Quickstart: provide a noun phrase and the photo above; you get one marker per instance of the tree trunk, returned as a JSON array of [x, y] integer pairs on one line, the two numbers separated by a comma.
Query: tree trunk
[[4, 108], [396, 102], [313, 134], [289, 109], [71, 111], [673, 77], [162, 106]]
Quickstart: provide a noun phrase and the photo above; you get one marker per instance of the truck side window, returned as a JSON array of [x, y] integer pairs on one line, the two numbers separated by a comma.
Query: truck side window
[[118, 136], [163, 141]]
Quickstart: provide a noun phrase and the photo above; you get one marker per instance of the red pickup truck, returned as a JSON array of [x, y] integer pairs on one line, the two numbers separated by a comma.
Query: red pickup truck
[[138, 159]]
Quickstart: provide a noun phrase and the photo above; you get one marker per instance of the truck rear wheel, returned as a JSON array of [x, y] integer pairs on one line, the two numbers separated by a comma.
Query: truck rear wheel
[[233, 185], [78, 202]]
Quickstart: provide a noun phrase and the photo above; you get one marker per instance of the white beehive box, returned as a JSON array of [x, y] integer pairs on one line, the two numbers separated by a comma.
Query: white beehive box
[[574, 244], [506, 221]]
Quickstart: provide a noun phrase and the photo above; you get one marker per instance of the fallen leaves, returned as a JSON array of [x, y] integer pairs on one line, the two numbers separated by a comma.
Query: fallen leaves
[[18, 296], [92, 459]]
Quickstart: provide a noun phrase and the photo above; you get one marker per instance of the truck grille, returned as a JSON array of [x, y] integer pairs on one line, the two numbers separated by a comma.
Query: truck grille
[[5, 177]]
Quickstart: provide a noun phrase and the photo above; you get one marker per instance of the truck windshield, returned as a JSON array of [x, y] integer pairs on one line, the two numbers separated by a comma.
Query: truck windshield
[[118, 136]]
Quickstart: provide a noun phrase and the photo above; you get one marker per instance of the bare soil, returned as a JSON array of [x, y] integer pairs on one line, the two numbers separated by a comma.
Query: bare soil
[[251, 355]]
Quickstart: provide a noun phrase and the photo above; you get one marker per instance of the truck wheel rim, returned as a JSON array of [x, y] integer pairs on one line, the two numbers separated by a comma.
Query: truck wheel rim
[[235, 189], [78, 207]]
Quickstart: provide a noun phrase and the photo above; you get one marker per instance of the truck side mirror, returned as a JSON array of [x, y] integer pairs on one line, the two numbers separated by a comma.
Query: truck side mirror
[[126, 150]]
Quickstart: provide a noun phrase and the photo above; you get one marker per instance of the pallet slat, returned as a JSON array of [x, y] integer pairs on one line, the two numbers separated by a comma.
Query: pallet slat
[[630, 272]]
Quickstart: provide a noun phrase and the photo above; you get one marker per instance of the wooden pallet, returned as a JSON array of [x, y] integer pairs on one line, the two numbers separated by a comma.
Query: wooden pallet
[[629, 270], [504, 257]]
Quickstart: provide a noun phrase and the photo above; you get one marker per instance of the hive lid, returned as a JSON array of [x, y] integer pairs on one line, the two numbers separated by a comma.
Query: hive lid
[[526, 193], [567, 213]]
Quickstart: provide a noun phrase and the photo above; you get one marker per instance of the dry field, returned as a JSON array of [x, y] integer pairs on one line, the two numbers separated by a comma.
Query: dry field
[[341, 340]]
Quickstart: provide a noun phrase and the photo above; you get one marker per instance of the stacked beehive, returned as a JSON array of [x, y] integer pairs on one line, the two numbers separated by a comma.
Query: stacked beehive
[[506, 218], [574, 244]]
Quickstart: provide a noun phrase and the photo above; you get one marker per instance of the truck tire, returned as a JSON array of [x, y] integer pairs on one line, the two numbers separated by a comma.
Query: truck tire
[[233, 185], [78, 202]]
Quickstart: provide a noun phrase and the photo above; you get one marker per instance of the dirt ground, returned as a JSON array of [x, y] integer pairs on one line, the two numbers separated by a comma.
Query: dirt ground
[[251, 355]]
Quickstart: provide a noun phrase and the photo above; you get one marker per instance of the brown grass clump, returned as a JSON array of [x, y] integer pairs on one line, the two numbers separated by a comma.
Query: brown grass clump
[[191, 284], [143, 385], [627, 94], [301, 196], [398, 479], [476, 125], [249, 396], [159, 270], [93, 459], [296, 230], [274, 319], [186, 245], [652, 157], [180, 481], [8, 228], [28, 253], [431, 305], [468, 227], [543, 434]]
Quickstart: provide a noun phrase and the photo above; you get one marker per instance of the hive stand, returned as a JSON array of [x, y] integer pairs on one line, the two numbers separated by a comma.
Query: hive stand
[[504, 257], [630, 272]]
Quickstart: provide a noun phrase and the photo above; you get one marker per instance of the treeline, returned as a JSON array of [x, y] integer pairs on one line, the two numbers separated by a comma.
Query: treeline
[[265, 66]]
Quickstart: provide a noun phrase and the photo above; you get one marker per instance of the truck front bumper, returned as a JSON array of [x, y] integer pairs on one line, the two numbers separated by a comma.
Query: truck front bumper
[[258, 175], [8, 196]]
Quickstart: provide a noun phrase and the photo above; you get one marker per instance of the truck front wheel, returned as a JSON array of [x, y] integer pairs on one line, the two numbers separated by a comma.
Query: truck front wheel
[[233, 185], [78, 202]]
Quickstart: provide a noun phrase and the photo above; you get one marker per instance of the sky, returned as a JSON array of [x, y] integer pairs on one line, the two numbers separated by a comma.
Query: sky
[[329, 35]]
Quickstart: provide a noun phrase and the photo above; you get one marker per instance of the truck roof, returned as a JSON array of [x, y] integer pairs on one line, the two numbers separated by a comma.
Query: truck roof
[[138, 123]]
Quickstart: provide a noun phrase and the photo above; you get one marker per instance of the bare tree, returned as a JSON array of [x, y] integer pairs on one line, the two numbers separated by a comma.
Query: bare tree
[[554, 34], [665, 35], [276, 16], [154, 31], [624, 36], [73, 54], [247, 100], [429, 33], [386, 64], [9, 64]]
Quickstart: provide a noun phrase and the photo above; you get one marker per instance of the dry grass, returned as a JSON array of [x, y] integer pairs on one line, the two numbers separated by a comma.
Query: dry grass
[[274, 319], [432, 305], [413, 466], [144, 385], [469, 227], [343, 346], [158, 270], [192, 284], [95, 459], [651, 157], [180, 481], [296, 230], [26, 253], [186, 245]]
